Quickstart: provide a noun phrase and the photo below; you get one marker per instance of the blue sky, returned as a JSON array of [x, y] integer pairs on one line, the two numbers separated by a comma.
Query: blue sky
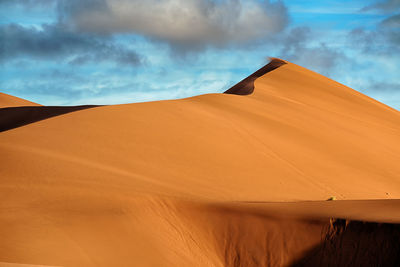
[[70, 52]]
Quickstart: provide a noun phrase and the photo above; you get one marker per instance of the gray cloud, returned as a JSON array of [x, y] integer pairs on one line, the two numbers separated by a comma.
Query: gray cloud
[[186, 25], [181, 23], [392, 22], [386, 87], [57, 42], [385, 6], [384, 40], [381, 42], [365, 41], [392, 8], [297, 48]]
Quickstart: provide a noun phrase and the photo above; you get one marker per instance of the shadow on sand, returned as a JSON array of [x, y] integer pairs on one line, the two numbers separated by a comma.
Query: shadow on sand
[[14, 117], [354, 243]]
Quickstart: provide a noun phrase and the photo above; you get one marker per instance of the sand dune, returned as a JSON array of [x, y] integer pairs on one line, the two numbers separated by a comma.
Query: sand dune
[[12, 101], [235, 179]]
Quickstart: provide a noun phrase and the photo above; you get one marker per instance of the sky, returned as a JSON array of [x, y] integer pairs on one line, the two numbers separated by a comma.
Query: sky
[[72, 52]]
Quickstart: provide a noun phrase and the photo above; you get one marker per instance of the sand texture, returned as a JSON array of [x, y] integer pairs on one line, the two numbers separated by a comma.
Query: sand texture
[[234, 179]]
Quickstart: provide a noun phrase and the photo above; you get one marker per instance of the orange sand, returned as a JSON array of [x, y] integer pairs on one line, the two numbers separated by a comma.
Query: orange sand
[[12, 101], [212, 180]]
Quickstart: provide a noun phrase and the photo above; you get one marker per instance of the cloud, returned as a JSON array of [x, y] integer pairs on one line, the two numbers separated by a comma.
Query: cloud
[[385, 39], [299, 46], [386, 6], [55, 42], [185, 25], [386, 87], [383, 42], [391, 24], [181, 23]]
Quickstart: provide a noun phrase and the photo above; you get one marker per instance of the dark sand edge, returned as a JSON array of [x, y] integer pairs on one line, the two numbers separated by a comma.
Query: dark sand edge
[[246, 86], [354, 243], [14, 117]]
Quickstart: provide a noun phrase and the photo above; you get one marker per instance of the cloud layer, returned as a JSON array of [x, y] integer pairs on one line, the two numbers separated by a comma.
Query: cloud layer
[[55, 42], [188, 23]]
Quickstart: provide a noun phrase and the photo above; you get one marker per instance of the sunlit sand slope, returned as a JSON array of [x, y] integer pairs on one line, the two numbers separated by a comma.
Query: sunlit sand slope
[[12, 101]]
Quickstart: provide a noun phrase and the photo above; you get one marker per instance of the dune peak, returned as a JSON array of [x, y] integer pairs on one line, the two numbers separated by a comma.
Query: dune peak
[[246, 86]]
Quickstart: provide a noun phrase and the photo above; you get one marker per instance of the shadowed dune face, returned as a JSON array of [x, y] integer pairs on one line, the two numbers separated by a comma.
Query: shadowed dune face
[[246, 86], [13, 117], [212, 180], [354, 243]]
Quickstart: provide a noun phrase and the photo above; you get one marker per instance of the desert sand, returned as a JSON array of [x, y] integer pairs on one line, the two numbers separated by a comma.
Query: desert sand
[[12, 101], [234, 179]]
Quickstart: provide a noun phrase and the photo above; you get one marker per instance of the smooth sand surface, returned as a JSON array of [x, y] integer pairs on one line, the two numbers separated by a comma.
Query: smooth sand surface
[[12, 101], [212, 180]]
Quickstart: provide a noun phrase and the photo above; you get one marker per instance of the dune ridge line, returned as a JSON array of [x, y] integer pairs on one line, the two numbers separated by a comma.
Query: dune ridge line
[[246, 86]]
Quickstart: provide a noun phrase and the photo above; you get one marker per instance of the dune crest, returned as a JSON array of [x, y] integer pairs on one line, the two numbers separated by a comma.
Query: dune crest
[[12, 101], [235, 179], [246, 86]]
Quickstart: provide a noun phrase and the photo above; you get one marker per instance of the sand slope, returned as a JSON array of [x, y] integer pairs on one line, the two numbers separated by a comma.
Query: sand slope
[[202, 181], [12, 101]]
